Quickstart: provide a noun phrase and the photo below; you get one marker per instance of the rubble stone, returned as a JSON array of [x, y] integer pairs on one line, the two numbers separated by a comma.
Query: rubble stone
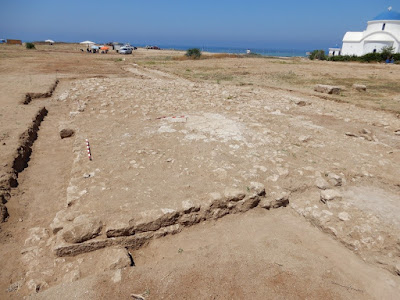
[[397, 269], [344, 216], [327, 89], [66, 133], [233, 194], [282, 200], [330, 195], [360, 87], [265, 203], [258, 188], [334, 179], [116, 258], [321, 183]]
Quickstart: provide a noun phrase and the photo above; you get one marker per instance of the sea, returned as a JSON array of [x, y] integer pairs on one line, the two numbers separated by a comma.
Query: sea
[[261, 51]]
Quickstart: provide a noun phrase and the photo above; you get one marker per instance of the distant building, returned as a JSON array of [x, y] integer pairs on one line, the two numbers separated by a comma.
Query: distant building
[[382, 31], [335, 51], [14, 42]]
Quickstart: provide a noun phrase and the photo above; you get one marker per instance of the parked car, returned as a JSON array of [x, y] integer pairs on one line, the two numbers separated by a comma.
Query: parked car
[[128, 46], [125, 50]]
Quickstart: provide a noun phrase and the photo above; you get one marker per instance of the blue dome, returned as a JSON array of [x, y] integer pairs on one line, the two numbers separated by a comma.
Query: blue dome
[[388, 15]]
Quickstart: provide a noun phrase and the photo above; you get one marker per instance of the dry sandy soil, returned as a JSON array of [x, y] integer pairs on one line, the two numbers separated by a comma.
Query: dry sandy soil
[[220, 178]]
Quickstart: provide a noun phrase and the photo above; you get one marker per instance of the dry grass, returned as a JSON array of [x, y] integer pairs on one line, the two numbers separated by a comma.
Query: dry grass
[[383, 90], [208, 56]]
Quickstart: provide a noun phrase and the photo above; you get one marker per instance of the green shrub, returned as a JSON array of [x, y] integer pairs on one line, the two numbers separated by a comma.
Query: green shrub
[[369, 57], [30, 46], [343, 58], [396, 56], [193, 53], [387, 52], [318, 54], [372, 57]]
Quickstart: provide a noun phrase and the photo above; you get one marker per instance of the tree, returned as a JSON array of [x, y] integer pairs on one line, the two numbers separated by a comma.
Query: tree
[[318, 54], [193, 53], [30, 46], [387, 52]]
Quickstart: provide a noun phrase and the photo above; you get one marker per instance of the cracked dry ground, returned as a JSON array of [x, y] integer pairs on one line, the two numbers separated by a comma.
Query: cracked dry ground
[[217, 164]]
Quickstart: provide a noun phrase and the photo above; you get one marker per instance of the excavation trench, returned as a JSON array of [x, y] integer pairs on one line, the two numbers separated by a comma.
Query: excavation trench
[[30, 96], [20, 161]]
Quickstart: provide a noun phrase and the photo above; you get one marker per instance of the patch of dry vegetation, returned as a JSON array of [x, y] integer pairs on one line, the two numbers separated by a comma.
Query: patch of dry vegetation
[[292, 74], [208, 56], [222, 68]]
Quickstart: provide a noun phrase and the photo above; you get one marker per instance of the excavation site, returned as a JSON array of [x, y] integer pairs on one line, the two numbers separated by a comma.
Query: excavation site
[[232, 177]]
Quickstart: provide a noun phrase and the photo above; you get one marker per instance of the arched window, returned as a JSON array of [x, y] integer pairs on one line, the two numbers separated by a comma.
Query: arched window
[[383, 26]]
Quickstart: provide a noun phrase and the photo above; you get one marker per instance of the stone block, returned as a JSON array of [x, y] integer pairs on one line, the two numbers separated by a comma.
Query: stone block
[[83, 230]]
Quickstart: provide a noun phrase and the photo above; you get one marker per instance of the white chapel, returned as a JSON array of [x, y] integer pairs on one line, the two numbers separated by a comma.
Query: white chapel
[[382, 31]]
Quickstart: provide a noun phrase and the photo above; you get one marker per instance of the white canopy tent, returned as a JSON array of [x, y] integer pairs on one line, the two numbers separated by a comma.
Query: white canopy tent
[[49, 41], [87, 43]]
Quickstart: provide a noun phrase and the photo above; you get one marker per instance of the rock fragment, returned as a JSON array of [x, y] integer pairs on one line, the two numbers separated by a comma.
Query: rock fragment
[[302, 103], [397, 269], [344, 216], [351, 134], [327, 89], [248, 204], [304, 138], [281, 200], [331, 230], [334, 179], [258, 188], [233, 194], [66, 133], [37, 285], [116, 258], [265, 203], [367, 134], [189, 219], [189, 207], [321, 183], [330, 195], [360, 87]]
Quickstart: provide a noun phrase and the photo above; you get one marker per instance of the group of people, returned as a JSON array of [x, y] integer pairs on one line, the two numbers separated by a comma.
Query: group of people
[[88, 50]]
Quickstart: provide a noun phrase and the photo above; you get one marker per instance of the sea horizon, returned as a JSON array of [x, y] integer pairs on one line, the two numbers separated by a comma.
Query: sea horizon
[[238, 50], [278, 52]]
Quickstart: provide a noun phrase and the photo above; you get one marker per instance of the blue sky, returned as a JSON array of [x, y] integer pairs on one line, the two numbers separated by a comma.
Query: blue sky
[[285, 24]]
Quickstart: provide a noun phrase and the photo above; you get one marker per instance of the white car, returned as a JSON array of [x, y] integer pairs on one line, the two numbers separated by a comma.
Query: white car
[[125, 50]]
